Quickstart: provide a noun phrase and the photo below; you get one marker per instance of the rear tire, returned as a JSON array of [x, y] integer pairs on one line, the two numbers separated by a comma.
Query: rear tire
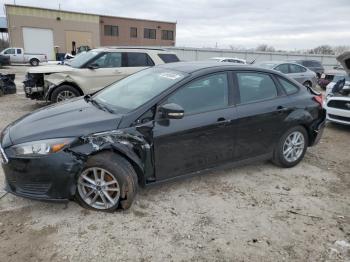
[[307, 84], [63, 93], [291, 148], [34, 62], [118, 172]]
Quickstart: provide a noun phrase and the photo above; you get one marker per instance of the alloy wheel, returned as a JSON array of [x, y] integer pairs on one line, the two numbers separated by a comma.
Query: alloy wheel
[[65, 95], [293, 146], [98, 188]]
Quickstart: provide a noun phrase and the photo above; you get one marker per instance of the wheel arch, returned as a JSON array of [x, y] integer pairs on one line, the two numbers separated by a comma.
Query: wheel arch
[[305, 120], [72, 84], [131, 157]]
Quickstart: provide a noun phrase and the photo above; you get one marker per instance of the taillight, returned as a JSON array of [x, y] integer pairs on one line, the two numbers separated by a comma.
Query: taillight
[[319, 99]]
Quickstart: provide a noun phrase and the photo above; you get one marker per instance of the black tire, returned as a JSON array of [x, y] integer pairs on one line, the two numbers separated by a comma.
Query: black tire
[[34, 62], [278, 156], [307, 84], [122, 171], [55, 96]]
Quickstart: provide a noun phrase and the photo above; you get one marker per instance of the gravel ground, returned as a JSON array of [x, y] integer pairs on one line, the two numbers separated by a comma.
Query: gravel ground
[[257, 212]]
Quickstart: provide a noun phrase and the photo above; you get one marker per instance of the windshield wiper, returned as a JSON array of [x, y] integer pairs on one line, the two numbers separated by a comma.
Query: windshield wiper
[[88, 98]]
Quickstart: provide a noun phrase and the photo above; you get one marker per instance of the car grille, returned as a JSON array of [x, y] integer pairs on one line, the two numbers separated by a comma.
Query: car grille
[[342, 118], [341, 104]]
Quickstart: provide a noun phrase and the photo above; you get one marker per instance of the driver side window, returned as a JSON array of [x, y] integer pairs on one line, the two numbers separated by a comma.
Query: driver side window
[[206, 94], [109, 60]]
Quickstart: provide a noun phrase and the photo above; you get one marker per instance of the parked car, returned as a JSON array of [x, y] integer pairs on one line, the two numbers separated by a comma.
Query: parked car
[[90, 71], [337, 101], [298, 72], [161, 123], [328, 76], [4, 60], [313, 65], [335, 80], [228, 59], [17, 55]]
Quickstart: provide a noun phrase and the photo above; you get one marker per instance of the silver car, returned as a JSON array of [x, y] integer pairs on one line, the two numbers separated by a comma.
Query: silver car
[[297, 72]]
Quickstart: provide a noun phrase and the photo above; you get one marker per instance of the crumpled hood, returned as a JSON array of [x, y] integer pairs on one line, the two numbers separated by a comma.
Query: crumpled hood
[[71, 119], [344, 60], [50, 69]]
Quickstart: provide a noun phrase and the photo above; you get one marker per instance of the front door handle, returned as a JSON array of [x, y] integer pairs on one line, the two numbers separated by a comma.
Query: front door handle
[[282, 109], [222, 121]]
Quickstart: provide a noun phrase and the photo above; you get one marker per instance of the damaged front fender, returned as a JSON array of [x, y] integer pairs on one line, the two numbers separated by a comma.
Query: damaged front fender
[[132, 146]]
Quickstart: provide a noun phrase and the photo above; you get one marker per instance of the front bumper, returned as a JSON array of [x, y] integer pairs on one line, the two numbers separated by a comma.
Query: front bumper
[[51, 177]]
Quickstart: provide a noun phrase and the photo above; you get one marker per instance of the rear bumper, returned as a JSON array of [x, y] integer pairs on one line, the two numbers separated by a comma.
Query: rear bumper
[[317, 130]]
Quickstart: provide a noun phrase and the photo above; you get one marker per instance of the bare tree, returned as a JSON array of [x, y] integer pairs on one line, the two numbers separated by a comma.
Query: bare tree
[[322, 50], [340, 49], [265, 48]]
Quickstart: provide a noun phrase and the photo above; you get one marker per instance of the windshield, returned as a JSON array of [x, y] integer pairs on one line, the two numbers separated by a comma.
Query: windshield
[[135, 90], [81, 59]]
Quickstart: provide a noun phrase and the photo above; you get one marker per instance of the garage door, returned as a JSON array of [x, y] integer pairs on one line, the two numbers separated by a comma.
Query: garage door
[[38, 40], [80, 38]]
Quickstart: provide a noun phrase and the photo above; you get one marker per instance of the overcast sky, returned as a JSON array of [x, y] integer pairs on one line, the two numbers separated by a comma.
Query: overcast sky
[[292, 24]]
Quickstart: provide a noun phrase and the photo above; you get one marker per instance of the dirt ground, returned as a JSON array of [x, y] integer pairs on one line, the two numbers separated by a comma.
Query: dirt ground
[[257, 212]]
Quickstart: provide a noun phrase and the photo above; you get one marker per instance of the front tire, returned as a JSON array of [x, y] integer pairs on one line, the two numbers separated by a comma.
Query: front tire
[[63, 93], [107, 182], [291, 148]]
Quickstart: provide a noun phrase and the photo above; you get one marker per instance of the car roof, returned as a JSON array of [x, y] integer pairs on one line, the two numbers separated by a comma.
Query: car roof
[[226, 58], [132, 49], [190, 67]]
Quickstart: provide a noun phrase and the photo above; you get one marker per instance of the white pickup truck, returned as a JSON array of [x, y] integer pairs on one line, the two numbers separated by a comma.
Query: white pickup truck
[[17, 55]]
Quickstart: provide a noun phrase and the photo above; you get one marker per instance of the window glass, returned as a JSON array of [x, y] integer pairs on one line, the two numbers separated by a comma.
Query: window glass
[[135, 90], [255, 87], [111, 30], [167, 35], [138, 59], [288, 86], [206, 94], [109, 60], [149, 33], [296, 68], [133, 32], [283, 68], [10, 51], [19, 51], [169, 58]]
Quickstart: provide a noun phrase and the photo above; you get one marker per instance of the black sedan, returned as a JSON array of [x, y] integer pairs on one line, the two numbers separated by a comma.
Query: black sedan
[[158, 124]]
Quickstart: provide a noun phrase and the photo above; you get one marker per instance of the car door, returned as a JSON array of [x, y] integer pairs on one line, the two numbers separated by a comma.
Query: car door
[[102, 71], [297, 72], [204, 137], [261, 110], [11, 52]]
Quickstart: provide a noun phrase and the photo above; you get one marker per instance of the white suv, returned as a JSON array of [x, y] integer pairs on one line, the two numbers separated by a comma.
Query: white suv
[[90, 71]]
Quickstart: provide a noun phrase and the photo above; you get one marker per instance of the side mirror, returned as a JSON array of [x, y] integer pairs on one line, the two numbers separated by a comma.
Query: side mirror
[[93, 66], [171, 111]]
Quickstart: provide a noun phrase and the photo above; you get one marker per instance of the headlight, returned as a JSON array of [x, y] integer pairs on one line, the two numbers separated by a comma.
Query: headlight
[[41, 147]]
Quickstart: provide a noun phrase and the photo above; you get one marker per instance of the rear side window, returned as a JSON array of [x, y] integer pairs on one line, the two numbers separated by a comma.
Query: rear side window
[[133, 59], [206, 94], [255, 87], [288, 86], [282, 68], [19, 51], [169, 58]]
